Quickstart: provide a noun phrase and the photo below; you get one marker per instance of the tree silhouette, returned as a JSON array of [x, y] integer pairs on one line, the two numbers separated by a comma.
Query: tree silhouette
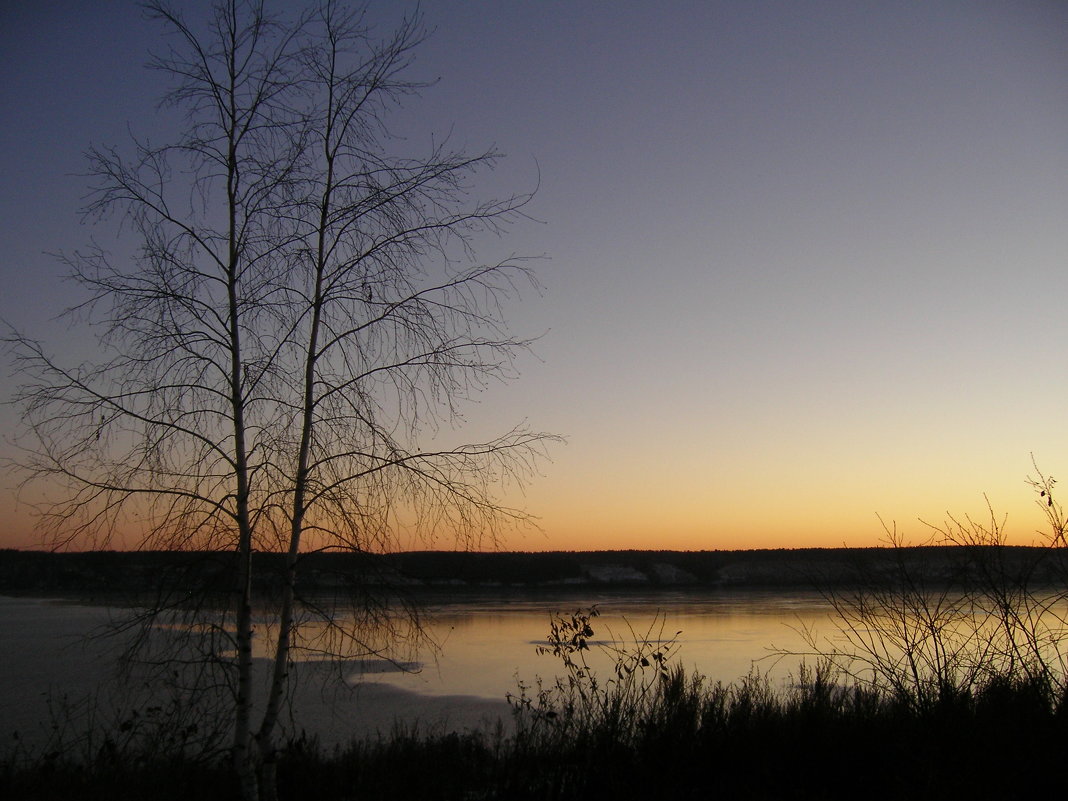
[[288, 351]]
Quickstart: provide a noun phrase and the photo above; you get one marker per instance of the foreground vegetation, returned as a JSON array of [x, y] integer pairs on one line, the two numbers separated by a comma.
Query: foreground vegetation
[[686, 739]]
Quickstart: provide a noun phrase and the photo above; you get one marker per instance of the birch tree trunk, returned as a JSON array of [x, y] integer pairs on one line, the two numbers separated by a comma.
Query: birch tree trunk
[[304, 314]]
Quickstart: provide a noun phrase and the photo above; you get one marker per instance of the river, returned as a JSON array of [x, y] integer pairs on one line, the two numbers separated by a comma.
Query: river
[[486, 645]]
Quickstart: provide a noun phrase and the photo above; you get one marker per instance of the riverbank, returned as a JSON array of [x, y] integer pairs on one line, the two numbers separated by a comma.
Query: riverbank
[[97, 573]]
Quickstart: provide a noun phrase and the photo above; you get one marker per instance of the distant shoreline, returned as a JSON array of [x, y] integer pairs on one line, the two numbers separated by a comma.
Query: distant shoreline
[[102, 572]]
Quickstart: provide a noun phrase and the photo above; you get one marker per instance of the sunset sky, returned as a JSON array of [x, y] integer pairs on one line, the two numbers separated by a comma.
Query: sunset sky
[[807, 262]]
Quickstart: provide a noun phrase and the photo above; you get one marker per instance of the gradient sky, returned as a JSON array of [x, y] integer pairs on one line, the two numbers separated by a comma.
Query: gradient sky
[[806, 260]]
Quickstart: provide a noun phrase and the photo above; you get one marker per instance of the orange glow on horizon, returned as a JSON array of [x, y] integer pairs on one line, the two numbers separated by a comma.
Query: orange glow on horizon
[[562, 530]]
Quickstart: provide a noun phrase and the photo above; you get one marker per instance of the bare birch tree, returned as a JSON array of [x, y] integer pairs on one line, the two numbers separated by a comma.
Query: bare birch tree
[[293, 342]]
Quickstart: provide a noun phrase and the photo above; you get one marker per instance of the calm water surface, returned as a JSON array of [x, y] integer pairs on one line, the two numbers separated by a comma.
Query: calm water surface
[[487, 643]]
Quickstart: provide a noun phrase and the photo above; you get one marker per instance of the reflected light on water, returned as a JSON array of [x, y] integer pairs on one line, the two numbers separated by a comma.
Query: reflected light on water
[[486, 647]]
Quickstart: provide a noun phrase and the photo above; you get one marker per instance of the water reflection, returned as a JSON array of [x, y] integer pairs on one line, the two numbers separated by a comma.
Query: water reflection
[[487, 643]]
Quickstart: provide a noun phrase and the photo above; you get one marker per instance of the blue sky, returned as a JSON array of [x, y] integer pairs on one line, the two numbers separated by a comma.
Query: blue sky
[[805, 261]]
